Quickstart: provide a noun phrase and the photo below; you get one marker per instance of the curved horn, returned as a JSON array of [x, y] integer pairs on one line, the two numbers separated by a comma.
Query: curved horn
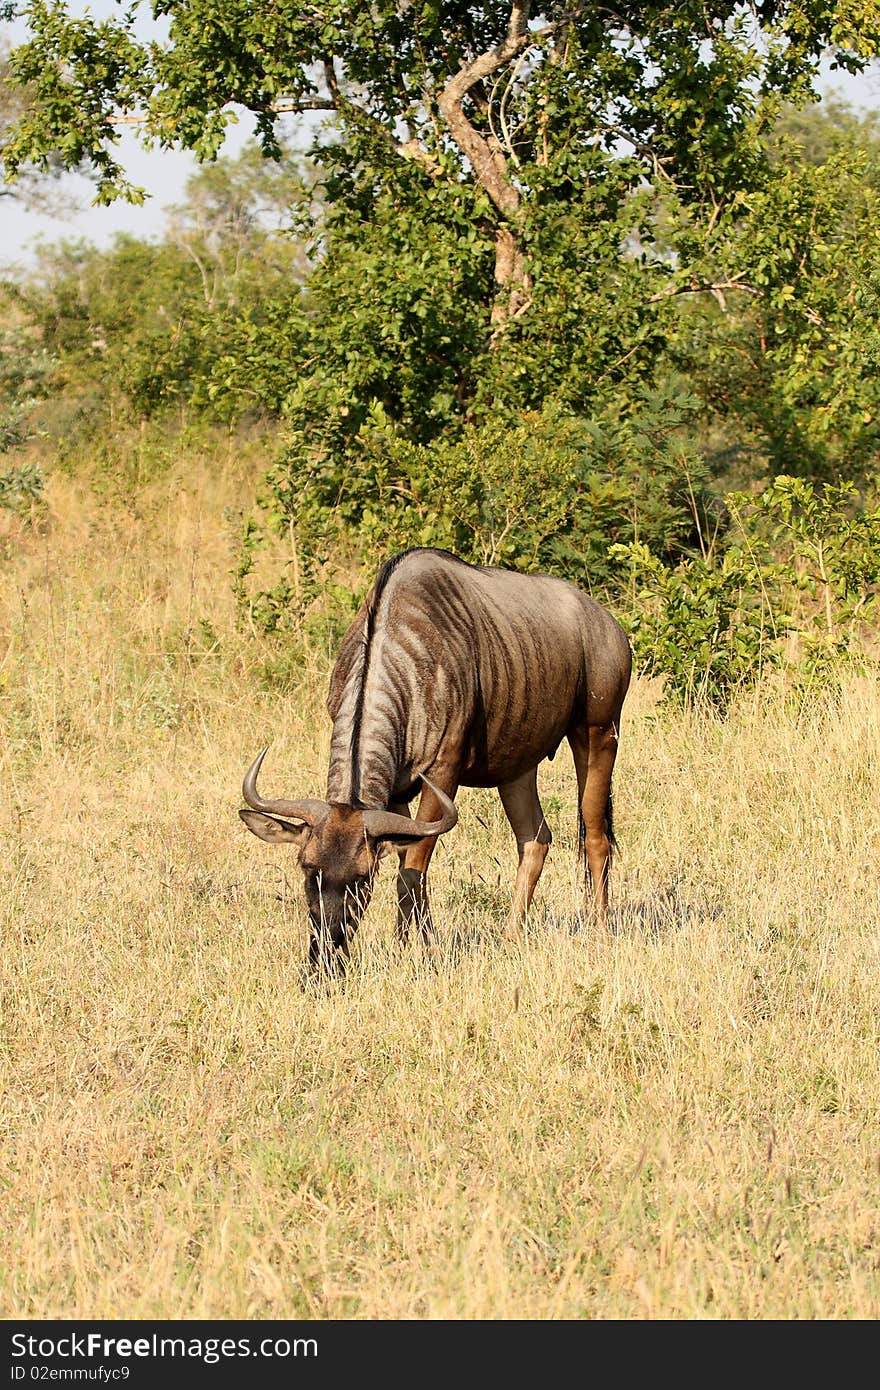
[[310, 811], [382, 824]]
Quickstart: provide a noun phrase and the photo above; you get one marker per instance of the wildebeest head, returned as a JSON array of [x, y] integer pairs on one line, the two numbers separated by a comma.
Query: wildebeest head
[[340, 847]]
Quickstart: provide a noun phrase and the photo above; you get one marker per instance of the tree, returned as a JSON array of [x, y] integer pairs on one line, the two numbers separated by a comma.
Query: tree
[[527, 214], [523, 108], [791, 366], [25, 370], [210, 316], [233, 206], [25, 367], [33, 187]]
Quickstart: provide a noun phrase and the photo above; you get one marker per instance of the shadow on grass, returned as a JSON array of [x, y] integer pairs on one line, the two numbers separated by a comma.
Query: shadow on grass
[[452, 944], [447, 948], [668, 910]]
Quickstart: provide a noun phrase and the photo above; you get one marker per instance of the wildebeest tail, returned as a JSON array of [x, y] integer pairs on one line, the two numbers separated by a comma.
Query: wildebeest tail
[[609, 828], [609, 821]]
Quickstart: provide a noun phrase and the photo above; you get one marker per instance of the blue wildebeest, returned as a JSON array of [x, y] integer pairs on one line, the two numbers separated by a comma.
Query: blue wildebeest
[[449, 676]]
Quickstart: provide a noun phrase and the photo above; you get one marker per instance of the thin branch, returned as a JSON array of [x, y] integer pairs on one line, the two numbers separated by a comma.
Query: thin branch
[[407, 149], [504, 139], [715, 287], [718, 287], [331, 79], [502, 114], [411, 149], [282, 107], [300, 104], [644, 148], [208, 291]]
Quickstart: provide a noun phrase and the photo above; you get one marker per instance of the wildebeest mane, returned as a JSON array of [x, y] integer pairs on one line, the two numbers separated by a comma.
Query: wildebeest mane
[[373, 602]]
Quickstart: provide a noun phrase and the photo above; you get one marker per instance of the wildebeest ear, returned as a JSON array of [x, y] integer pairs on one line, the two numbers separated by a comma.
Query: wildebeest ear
[[273, 830]]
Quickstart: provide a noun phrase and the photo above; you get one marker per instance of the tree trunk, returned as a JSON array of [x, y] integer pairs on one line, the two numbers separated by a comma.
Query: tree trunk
[[514, 284], [487, 159]]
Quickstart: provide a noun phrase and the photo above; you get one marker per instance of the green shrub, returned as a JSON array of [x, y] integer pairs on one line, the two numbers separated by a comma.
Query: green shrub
[[542, 491], [707, 626], [21, 487], [828, 542], [802, 560]]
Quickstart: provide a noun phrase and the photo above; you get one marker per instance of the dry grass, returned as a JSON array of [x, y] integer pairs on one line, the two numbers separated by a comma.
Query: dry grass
[[680, 1120]]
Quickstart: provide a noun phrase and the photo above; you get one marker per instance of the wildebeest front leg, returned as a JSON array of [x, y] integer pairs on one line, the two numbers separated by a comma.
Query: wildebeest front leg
[[523, 810], [412, 896], [412, 901], [413, 907], [594, 749]]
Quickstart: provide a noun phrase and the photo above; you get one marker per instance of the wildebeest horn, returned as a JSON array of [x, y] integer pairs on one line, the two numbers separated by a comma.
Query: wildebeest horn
[[310, 811], [384, 824]]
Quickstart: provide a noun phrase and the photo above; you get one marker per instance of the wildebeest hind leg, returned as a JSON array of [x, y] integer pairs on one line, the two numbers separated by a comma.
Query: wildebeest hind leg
[[594, 749], [523, 810]]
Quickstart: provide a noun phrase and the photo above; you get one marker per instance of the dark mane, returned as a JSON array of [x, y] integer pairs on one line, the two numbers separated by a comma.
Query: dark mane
[[378, 589], [374, 598], [390, 567]]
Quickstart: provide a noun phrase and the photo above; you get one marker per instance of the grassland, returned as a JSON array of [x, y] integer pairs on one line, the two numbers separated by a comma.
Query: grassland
[[678, 1120]]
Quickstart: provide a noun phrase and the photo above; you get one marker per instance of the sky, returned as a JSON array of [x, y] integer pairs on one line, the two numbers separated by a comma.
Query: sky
[[163, 173]]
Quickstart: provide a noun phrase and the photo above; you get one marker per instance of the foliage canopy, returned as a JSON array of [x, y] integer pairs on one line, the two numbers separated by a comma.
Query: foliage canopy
[[552, 282]]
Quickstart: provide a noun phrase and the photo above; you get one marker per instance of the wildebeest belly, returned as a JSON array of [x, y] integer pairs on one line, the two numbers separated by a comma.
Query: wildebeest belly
[[517, 723]]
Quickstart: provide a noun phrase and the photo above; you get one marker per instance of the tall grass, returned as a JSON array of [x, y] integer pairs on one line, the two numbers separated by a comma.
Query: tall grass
[[678, 1119]]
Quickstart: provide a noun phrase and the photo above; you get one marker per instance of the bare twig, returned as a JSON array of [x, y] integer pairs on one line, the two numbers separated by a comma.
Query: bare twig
[[504, 139], [284, 106], [714, 287]]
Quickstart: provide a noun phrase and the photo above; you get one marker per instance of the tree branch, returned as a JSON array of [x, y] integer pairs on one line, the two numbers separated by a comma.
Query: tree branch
[[487, 159], [406, 149], [517, 38], [505, 138], [487, 156], [716, 287], [284, 106]]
